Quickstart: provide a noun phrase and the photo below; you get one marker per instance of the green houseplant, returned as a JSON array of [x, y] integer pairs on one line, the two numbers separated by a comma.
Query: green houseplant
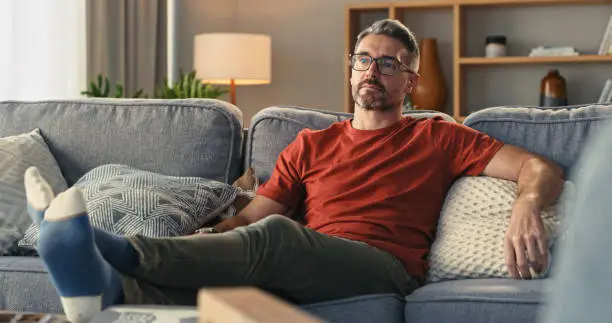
[[187, 86], [102, 89]]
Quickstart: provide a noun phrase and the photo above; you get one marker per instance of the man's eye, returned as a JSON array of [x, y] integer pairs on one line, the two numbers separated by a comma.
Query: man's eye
[[388, 63]]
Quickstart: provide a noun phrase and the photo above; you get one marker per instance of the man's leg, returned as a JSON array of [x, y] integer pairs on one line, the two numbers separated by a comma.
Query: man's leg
[[113, 247], [582, 287], [275, 254], [85, 282]]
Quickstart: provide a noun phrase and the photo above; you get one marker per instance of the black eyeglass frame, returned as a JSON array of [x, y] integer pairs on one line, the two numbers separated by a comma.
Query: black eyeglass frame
[[377, 60]]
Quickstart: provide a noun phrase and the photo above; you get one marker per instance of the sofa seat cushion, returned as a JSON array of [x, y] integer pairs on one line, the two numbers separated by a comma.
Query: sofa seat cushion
[[386, 308], [476, 301], [26, 287]]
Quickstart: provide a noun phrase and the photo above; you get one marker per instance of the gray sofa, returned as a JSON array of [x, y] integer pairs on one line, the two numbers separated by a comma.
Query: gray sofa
[[206, 138]]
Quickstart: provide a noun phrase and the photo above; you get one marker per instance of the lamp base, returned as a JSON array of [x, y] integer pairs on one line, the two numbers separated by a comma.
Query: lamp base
[[233, 92]]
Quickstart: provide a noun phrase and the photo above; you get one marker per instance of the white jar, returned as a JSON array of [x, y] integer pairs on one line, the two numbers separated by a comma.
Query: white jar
[[496, 46]]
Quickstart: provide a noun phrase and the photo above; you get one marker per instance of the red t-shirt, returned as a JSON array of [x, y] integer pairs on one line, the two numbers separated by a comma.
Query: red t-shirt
[[385, 187]]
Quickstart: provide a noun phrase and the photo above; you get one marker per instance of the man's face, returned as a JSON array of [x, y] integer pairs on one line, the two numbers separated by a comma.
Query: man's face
[[373, 90]]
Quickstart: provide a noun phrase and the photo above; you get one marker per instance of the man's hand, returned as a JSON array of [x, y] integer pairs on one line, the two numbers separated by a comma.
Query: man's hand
[[526, 241], [540, 182], [259, 208]]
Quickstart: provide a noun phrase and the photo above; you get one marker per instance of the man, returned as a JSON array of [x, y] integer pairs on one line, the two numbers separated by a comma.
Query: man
[[373, 187]]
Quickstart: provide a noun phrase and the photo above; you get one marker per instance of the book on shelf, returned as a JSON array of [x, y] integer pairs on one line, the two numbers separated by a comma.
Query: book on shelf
[[606, 93], [605, 47], [542, 51]]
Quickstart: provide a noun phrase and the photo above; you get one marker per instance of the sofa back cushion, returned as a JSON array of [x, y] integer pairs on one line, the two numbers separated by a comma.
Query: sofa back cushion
[[172, 137], [558, 133], [274, 128]]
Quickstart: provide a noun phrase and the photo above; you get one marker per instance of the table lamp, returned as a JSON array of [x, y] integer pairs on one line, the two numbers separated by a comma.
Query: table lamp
[[233, 59]]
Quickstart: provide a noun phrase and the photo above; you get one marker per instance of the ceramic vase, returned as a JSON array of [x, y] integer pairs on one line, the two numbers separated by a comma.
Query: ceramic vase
[[430, 92], [553, 92]]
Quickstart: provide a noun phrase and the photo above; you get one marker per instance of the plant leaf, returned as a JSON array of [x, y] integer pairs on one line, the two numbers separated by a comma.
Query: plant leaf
[[138, 93], [106, 90], [118, 90]]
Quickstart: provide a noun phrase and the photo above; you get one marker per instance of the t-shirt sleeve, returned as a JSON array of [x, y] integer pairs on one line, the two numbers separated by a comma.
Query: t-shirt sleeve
[[285, 185], [468, 150]]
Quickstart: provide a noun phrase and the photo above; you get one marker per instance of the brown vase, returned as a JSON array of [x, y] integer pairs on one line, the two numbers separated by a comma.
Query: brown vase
[[553, 92], [430, 92]]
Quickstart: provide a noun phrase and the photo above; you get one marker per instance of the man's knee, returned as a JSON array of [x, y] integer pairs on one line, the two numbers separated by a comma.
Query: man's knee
[[277, 223], [279, 229]]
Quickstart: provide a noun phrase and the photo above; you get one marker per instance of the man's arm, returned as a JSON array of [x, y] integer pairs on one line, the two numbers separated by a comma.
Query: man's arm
[[540, 183], [259, 208]]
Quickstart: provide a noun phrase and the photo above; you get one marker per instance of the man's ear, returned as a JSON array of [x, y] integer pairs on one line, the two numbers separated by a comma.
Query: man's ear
[[411, 84]]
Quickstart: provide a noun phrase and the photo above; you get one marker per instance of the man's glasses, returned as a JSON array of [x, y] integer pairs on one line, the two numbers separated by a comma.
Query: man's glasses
[[386, 65]]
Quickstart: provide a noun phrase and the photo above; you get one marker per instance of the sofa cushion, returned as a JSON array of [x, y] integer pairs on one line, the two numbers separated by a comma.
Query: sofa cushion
[[25, 286], [385, 308], [274, 128], [192, 137], [17, 154], [472, 226], [127, 201], [557, 133], [477, 301]]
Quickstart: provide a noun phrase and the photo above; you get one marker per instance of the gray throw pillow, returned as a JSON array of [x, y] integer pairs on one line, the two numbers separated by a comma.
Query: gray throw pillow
[[17, 154], [128, 201]]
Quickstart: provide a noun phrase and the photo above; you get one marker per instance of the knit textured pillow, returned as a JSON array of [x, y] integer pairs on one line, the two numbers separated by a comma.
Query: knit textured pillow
[[127, 201], [470, 237]]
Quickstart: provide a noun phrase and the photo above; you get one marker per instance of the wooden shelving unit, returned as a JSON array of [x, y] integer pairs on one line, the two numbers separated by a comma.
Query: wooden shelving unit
[[360, 15], [534, 60]]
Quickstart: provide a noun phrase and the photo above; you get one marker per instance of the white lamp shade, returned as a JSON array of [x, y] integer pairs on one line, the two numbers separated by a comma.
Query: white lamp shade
[[221, 57]]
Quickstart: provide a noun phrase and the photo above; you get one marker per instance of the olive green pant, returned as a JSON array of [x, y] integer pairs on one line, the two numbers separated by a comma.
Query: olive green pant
[[275, 254]]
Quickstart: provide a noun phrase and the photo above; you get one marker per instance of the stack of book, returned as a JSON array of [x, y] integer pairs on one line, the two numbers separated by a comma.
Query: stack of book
[[606, 93], [605, 48], [553, 51]]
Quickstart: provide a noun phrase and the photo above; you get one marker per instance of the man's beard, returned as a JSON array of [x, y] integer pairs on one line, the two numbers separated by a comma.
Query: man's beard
[[372, 101]]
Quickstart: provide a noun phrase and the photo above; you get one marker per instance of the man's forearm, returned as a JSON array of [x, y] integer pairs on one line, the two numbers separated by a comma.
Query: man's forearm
[[231, 223], [257, 209], [539, 182]]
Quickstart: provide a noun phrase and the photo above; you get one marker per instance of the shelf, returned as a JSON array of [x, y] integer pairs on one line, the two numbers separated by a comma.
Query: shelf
[[450, 3], [370, 6], [534, 60], [528, 2], [424, 4], [461, 52]]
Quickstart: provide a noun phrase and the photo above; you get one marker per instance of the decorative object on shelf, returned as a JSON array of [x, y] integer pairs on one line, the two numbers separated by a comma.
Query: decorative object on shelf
[[605, 47], [553, 91], [430, 92], [542, 51], [606, 92], [496, 46], [233, 59]]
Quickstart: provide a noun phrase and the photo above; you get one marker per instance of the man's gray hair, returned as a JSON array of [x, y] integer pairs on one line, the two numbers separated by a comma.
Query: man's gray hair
[[395, 29]]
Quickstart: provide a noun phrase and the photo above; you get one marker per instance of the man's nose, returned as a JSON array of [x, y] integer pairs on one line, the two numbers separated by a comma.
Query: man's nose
[[372, 71]]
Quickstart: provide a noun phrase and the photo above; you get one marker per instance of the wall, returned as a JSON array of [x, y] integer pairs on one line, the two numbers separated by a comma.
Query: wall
[[308, 49]]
